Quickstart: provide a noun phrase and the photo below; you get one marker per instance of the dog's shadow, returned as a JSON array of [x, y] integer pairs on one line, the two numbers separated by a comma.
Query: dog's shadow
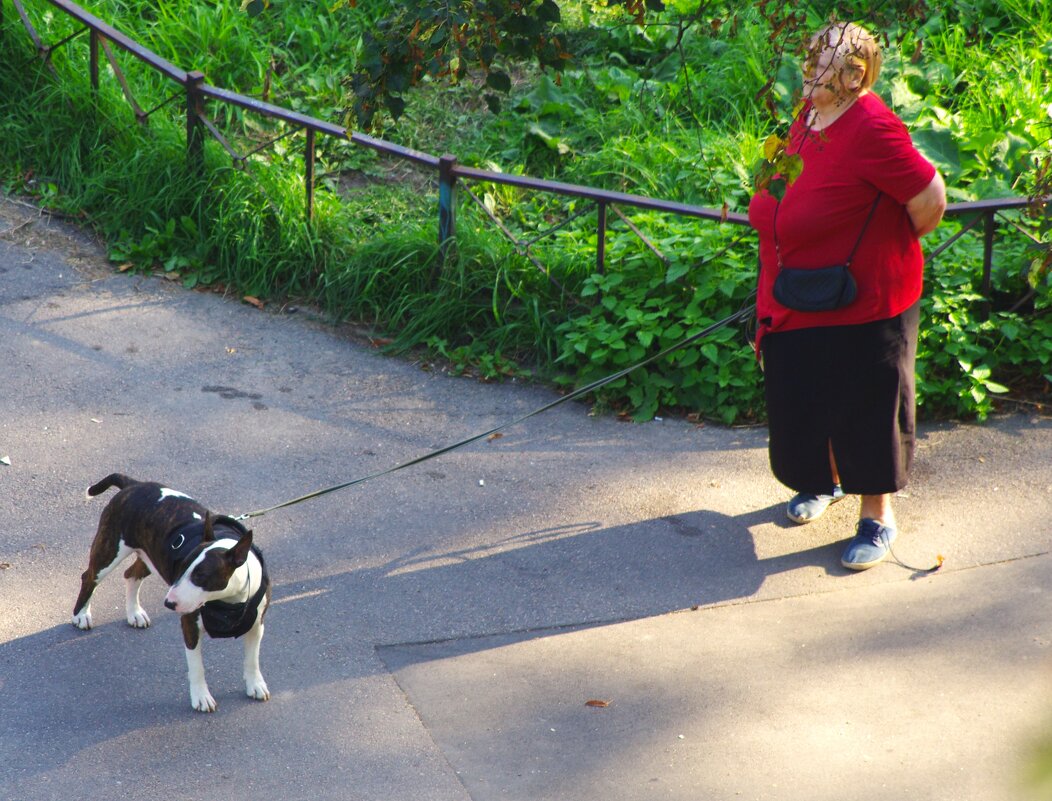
[[63, 690], [73, 703]]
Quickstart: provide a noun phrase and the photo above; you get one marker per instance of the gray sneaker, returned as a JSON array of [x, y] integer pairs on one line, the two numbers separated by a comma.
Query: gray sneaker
[[805, 507], [869, 546]]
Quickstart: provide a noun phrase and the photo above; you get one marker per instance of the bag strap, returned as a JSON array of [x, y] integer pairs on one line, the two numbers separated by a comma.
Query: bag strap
[[851, 255], [872, 211]]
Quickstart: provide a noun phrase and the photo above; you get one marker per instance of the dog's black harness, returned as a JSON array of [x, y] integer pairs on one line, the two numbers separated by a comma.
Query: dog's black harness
[[224, 619], [221, 619]]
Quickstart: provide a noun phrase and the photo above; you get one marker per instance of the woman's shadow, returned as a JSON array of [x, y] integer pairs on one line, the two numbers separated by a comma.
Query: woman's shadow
[[581, 574], [101, 685]]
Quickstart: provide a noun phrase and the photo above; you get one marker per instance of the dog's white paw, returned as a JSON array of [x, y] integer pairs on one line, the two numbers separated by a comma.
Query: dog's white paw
[[137, 618], [201, 700], [256, 688], [82, 620]]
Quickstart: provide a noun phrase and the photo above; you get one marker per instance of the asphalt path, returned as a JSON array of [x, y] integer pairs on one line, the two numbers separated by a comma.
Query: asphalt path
[[439, 632]]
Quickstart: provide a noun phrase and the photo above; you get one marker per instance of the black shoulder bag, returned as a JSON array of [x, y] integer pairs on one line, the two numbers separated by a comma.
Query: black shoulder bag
[[818, 288]]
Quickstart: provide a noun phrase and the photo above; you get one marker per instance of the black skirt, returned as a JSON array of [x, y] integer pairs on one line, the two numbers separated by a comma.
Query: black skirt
[[850, 385]]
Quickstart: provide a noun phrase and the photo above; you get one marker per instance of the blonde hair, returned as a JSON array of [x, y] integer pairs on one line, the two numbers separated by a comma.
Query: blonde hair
[[855, 47]]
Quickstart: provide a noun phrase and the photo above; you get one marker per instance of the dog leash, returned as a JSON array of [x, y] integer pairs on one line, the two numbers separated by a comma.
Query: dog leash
[[741, 314]]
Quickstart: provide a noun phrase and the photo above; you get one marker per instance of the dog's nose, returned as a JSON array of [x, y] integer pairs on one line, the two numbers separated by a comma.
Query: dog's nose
[[169, 604]]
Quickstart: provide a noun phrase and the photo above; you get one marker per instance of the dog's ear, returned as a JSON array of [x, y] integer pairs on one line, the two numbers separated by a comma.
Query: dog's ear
[[239, 553], [209, 535]]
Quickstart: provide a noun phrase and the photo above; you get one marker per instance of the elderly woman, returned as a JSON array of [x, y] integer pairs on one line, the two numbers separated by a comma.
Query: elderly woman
[[839, 381]]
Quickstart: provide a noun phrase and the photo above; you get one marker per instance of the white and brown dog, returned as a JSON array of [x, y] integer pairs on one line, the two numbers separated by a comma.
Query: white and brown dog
[[217, 579]]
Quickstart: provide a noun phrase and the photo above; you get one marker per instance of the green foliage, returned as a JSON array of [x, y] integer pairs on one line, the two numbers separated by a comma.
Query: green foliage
[[646, 308], [160, 248], [421, 38], [679, 108], [471, 306], [963, 343], [475, 359], [981, 126]]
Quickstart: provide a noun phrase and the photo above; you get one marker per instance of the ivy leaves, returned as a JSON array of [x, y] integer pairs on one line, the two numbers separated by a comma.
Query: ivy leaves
[[779, 168]]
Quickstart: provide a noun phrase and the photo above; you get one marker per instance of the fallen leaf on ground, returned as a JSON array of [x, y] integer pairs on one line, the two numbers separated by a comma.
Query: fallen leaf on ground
[[597, 704], [251, 301], [498, 435]]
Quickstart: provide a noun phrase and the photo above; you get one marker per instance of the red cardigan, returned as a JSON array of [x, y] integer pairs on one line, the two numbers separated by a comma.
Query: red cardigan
[[866, 150]]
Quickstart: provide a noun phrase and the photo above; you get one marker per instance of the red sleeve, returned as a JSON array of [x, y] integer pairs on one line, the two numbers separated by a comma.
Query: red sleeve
[[888, 160]]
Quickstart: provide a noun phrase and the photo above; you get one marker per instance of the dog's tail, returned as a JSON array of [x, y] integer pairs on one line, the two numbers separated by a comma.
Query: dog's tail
[[118, 480]]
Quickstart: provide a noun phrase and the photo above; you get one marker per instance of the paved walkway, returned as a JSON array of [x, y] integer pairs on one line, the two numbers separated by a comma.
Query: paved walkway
[[438, 633]]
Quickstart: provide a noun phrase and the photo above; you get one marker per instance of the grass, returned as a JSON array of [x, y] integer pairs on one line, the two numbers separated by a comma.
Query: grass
[[631, 116]]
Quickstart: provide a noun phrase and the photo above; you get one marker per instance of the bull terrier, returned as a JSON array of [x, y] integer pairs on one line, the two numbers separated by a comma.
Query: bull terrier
[[217, 578]]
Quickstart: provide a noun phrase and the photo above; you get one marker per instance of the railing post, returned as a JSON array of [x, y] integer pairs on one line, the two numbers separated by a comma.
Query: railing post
[[989, 226], [195, 144], [308, 177], [447, 202], [93, 62], [600, 238]]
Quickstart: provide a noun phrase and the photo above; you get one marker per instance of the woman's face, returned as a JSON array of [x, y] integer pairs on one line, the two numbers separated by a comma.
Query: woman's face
[[827, 78]]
